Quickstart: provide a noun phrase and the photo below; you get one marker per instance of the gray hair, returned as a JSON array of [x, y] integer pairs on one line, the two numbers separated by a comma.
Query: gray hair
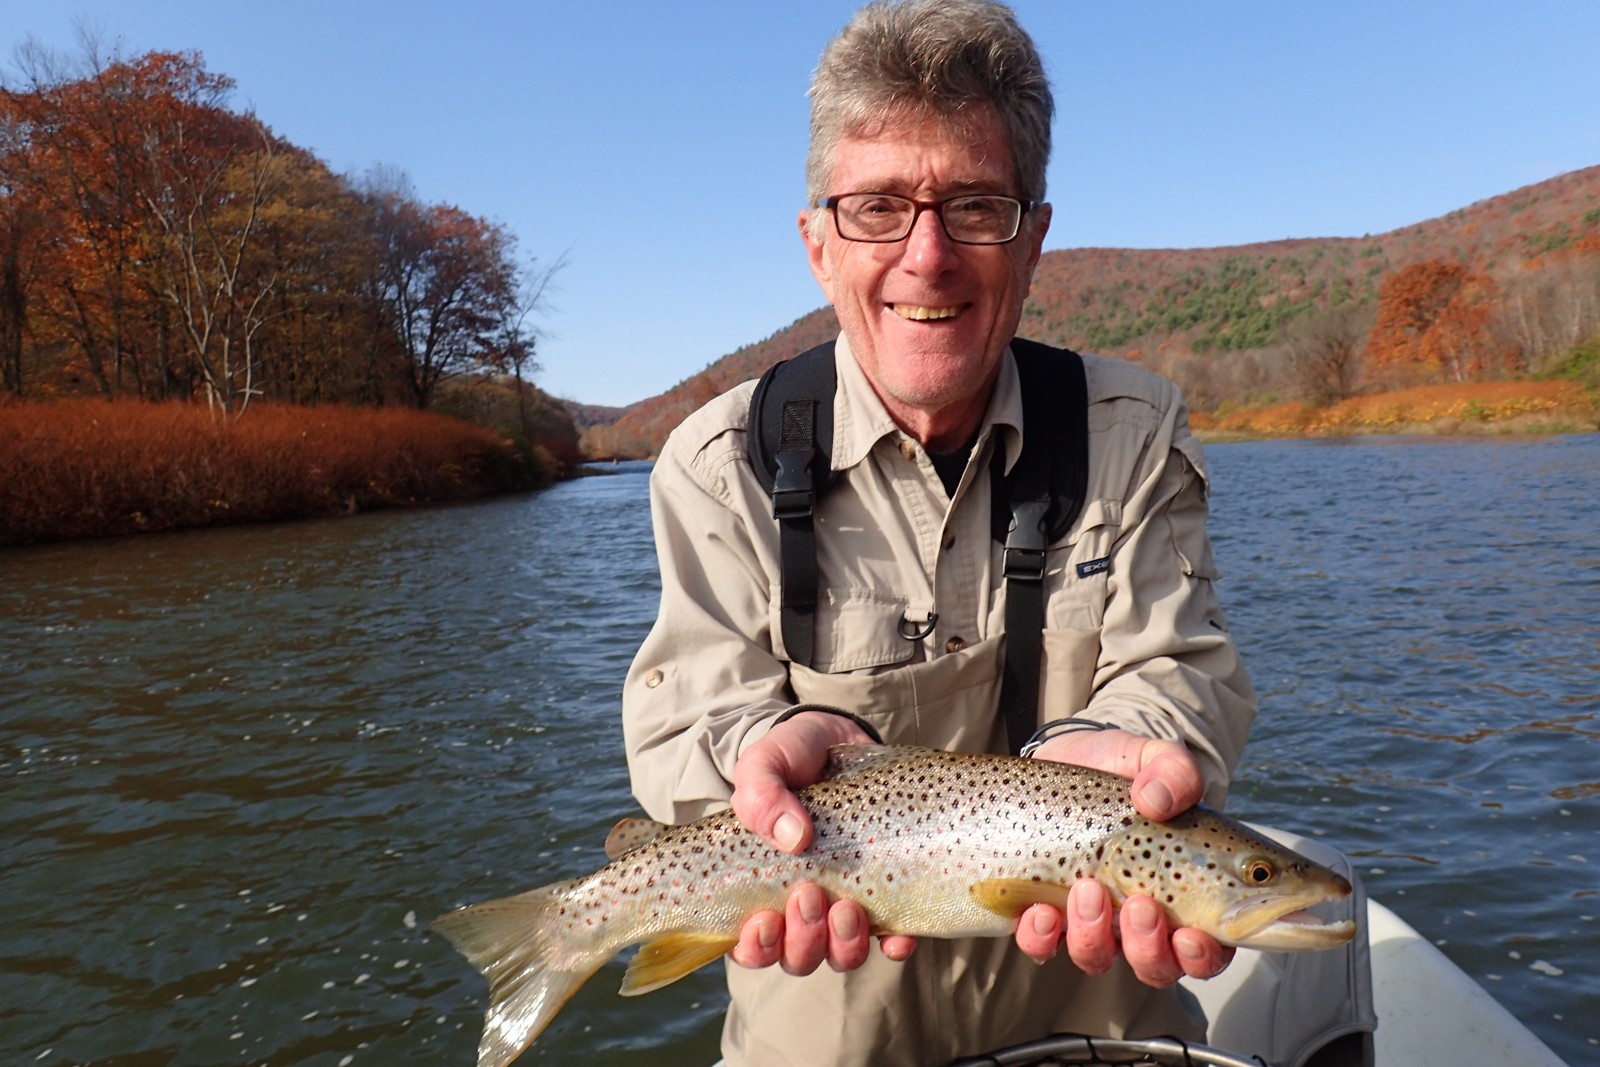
[[944, 59]]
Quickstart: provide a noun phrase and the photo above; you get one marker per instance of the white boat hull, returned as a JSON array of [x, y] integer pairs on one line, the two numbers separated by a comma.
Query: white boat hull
[[1431, 1014]]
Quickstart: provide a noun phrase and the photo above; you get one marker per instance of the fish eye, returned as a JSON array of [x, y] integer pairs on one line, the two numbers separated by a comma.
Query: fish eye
[[1258, 871]]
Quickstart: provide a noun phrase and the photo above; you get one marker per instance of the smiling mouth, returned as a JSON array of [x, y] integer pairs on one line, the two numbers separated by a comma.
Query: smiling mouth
[[923, 313]]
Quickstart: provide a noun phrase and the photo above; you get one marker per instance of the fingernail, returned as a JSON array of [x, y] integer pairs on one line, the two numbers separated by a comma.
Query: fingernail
[[1157, 797], [787, 831], [845, 924], [767, 932], [1089, 901], [1044, 924], [811, 902], [1143, 917], [1188, 948]]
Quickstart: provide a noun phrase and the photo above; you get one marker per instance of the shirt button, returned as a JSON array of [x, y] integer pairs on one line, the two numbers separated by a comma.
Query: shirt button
[[908, 450], [654, 678], [955, 644], [950, 542]]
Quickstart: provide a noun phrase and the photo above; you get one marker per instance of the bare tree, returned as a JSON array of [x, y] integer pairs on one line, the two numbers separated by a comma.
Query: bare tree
[[519, 341], [1324, 351], [207, 215], [1547, 312]]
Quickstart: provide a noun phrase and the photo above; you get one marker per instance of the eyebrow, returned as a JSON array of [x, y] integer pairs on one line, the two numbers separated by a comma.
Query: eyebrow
[[960, 187]]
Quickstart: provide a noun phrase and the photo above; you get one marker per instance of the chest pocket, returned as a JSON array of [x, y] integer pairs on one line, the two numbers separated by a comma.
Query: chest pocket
[[1078, 571], [857, 630]]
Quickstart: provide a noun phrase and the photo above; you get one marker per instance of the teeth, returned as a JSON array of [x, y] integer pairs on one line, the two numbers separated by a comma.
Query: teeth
[[921, 313]]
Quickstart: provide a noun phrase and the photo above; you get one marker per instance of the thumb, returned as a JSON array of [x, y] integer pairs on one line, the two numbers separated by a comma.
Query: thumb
[[763, 803], [1169, 781]]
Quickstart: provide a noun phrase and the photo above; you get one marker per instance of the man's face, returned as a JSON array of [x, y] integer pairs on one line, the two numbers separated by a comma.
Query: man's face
[[928, 319]]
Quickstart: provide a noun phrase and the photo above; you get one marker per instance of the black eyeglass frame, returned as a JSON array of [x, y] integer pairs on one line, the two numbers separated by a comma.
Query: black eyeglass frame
[[937, 207]]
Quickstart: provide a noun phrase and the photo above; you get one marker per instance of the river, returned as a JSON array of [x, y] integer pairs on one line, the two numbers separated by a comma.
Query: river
[[241, 769]]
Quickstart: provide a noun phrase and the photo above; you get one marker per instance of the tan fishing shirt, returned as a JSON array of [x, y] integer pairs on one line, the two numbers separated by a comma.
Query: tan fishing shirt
[[1135, 638]]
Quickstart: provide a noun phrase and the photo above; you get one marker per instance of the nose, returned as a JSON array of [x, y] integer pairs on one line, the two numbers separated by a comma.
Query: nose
[[929, 252]]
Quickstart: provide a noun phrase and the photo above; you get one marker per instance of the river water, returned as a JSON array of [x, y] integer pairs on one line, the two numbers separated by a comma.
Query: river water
[[241, 769]]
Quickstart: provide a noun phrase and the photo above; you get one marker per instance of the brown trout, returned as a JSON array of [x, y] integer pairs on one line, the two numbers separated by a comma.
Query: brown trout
[[930, 843]]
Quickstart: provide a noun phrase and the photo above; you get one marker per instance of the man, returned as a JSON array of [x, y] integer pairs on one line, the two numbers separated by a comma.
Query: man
[[929, 139]]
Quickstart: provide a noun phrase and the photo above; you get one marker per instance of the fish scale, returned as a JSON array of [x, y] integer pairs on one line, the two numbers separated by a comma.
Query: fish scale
[[929, 843]]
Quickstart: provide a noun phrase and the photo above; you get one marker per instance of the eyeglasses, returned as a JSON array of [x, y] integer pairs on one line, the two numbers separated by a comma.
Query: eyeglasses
[[968, 220]]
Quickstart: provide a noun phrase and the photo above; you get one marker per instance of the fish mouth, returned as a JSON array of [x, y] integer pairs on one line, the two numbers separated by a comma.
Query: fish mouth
[[925, 312], [1296, 930], [1283, 924]]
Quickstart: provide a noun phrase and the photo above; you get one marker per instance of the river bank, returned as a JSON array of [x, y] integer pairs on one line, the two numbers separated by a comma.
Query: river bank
[[95, 468], [1550, 406]]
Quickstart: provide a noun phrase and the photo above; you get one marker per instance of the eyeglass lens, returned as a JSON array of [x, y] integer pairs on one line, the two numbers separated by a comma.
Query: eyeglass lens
[[968, 219]]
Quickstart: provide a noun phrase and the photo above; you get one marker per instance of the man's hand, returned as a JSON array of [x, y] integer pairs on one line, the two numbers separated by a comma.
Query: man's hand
[[809, 930], [1166, 781]]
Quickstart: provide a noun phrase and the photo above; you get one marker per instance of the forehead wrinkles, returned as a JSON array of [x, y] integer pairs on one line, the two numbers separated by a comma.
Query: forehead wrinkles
[[970, 130]]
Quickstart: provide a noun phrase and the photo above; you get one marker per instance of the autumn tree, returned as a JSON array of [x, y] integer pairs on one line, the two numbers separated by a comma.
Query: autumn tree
[[1432, 321], [450, 284], [80, 140]]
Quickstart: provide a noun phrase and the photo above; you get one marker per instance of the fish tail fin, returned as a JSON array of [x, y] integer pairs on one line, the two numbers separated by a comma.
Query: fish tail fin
[[515, 943]]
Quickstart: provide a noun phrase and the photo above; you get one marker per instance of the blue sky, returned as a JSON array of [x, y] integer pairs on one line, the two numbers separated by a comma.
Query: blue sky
[[659, 146]]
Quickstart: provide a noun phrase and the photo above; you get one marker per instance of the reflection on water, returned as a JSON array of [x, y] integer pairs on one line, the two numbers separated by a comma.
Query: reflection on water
[[242, 769]]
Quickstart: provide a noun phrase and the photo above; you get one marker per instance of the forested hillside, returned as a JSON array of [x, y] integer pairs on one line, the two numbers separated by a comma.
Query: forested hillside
[[1507, 286]]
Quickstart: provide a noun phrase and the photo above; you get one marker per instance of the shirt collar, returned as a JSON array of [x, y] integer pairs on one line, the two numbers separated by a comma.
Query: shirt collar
[[860, 420]]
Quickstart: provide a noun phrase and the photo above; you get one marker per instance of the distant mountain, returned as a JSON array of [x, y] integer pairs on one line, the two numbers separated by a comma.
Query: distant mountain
[[586, 415], [1164, 305]]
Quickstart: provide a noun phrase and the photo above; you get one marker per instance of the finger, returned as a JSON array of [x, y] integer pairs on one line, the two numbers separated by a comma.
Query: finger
[[1146, 942], [1091, 930], [760, 940], [1039, 931], [849, 940], [805, 929], [1169, 780], [897, 947], [1199, 954]]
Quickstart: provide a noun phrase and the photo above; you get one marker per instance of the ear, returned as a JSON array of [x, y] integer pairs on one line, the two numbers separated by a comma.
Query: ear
[[816, 254], [1038, 226]]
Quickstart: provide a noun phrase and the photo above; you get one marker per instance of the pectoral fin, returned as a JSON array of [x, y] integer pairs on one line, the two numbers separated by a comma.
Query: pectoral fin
[[1011, 897], [667, 959]]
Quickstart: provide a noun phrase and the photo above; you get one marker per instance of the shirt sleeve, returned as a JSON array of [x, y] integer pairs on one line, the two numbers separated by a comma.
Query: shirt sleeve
[[705, 683], [1168, 666]]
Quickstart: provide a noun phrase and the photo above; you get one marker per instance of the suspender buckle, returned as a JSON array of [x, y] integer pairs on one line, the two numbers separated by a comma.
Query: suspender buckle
[[1025, 542], [792, 491]]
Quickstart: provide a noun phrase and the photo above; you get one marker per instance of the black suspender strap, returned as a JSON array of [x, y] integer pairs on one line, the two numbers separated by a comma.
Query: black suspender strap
[[791, 451], [1042, 496], [794, 502]]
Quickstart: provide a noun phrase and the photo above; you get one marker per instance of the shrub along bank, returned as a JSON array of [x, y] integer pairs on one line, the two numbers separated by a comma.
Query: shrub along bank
[[89, 468]]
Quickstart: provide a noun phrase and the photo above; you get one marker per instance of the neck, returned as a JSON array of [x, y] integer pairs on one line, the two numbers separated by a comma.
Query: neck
[[943, 429]]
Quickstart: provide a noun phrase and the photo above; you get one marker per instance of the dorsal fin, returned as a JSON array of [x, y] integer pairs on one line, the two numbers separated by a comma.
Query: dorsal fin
[[629, 834]]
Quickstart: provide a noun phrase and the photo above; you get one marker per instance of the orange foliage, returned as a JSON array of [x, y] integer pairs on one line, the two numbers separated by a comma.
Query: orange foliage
[[1432, 319], [92, 467], [1459, 408]]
